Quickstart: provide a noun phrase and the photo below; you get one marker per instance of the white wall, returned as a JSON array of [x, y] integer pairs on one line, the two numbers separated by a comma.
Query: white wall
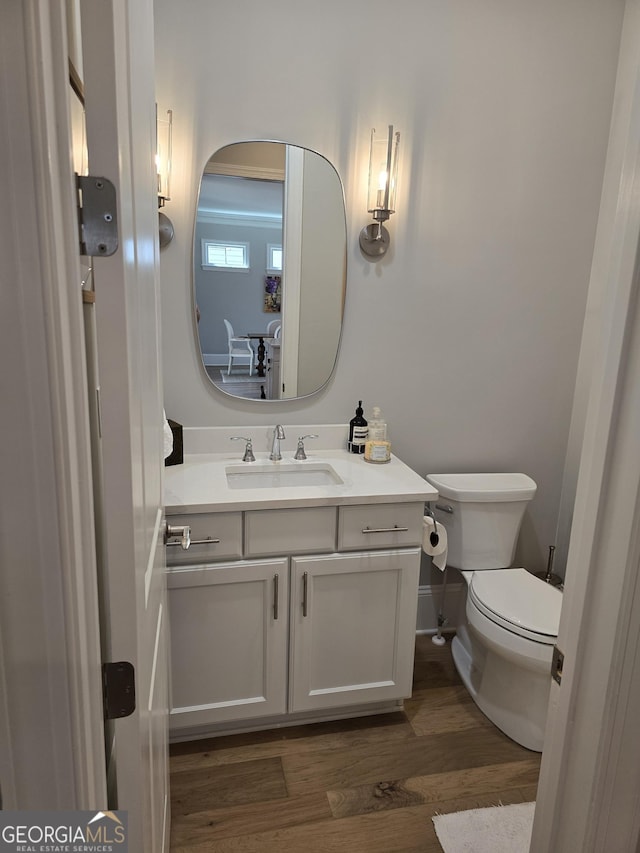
[[467, 333]]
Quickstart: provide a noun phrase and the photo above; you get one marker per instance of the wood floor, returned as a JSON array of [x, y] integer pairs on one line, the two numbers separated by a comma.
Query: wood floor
[[364, 786]]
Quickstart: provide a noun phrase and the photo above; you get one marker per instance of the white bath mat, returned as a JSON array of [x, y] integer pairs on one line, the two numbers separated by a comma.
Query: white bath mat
[[503, 829]]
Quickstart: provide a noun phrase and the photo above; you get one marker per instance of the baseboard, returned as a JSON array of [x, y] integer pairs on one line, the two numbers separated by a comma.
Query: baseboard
[[430, 602], [215, 359]]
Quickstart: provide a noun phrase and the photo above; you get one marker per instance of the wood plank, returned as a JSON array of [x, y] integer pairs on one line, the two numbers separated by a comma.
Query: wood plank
[[444, 709], [364, 799], [406, 830], [530, 792], [231, 784], [433, 665], [435, 787], [439, 753], [253, 818], [337, 734]]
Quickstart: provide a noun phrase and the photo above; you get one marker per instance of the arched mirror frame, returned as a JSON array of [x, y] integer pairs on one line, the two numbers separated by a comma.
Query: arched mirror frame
[[301, 175]]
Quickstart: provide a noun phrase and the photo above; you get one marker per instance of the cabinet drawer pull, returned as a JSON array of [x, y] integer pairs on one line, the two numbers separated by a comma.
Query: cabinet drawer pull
[[207, 541], [305, 592], [276, 583], [394, 529]]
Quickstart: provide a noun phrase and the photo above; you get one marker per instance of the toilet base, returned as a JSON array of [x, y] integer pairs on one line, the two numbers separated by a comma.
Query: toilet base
[[515, 700]]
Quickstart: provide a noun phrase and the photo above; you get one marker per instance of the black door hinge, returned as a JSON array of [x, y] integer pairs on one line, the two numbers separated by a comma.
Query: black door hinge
[[97, 216], [118, 689]]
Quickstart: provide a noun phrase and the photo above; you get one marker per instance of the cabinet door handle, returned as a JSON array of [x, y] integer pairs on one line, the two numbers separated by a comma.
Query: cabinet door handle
[[394, 529], [276, 596], [305, 592]]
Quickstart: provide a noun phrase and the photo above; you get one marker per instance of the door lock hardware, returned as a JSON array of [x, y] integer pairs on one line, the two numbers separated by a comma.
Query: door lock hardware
[[178, 531]]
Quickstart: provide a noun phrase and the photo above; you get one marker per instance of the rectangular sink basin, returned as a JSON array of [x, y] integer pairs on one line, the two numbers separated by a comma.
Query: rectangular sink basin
[[276, 474]]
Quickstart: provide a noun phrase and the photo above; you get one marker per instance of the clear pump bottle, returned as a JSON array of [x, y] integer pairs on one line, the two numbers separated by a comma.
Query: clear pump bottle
[[377, 447]]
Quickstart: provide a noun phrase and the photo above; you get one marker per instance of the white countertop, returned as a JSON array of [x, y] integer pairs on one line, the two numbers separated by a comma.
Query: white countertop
[[200, 483]]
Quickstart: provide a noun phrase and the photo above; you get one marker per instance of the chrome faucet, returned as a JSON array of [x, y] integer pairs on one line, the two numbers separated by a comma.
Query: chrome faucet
[[278, 434]]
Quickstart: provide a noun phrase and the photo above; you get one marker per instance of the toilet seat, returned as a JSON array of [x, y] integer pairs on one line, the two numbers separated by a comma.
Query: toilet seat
[[518, 602]]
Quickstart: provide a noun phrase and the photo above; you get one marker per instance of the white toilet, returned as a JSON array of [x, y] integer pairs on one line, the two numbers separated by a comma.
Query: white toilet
[[503, 653]]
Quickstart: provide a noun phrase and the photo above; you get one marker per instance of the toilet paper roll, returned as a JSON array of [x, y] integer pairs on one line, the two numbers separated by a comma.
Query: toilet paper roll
[[436, 549]]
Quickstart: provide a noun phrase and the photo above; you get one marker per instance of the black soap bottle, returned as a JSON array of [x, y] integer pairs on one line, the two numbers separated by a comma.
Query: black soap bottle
[[358, 431]]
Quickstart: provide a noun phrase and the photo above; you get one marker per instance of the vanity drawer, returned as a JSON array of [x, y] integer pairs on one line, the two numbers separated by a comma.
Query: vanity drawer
[[224, 529], [380, 526], [290, 531]]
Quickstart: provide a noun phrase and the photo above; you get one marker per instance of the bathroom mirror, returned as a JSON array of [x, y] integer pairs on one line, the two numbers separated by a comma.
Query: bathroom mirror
[[270, 260]]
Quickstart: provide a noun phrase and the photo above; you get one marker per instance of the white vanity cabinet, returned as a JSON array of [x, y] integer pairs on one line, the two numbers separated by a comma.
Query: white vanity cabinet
[[297, 599], [317, 617]]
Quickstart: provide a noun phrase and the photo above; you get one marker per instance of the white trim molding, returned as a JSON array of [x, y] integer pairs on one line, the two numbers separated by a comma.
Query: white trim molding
[[261, 173]]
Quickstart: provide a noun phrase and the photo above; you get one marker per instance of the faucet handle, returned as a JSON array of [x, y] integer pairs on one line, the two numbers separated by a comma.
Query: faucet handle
[[300, 454], [248, 450]]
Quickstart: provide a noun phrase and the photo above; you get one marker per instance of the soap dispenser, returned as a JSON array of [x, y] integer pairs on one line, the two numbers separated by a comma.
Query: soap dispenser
[[358, 431], [377, 448], [377, 426]]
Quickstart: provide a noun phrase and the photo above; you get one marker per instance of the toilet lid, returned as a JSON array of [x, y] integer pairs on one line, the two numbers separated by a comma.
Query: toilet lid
[[518, 601]]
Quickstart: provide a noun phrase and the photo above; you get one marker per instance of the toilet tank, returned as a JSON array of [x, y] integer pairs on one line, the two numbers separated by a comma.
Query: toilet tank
[[485, 518]]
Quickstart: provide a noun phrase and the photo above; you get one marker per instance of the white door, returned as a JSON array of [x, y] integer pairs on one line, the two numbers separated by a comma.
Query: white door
[[353, 622], [118, 71]]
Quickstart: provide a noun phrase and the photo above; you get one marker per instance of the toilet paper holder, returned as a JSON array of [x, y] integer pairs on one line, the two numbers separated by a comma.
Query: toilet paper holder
[[434, 538]]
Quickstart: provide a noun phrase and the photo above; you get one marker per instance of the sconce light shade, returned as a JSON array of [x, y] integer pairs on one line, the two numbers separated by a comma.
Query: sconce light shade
[[164, 128], [381, 199], [163, 157]]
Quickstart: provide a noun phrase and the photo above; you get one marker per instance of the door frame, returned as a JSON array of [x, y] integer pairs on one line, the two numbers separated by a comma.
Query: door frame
[[589, 787]]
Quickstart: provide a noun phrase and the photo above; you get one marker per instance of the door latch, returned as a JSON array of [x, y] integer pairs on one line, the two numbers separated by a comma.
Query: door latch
[[97, 216], [557, 662]]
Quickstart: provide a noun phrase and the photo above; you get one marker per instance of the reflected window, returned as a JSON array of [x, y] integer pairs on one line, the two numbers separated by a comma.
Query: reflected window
[[274, 258], [228, 256]]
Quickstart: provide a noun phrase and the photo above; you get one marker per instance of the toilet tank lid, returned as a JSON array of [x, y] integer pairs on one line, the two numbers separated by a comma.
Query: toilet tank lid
[[483, 487]]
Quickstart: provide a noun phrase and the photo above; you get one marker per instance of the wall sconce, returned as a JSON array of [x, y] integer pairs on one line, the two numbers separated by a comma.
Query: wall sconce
[[164, 129], [383, 179]]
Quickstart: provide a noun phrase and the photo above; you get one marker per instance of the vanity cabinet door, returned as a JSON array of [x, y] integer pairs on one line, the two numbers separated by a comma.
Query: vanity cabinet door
[[228, 641], [353, 623]]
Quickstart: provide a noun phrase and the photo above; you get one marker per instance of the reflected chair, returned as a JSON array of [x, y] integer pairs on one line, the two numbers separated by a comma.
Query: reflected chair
[[238, 348]]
